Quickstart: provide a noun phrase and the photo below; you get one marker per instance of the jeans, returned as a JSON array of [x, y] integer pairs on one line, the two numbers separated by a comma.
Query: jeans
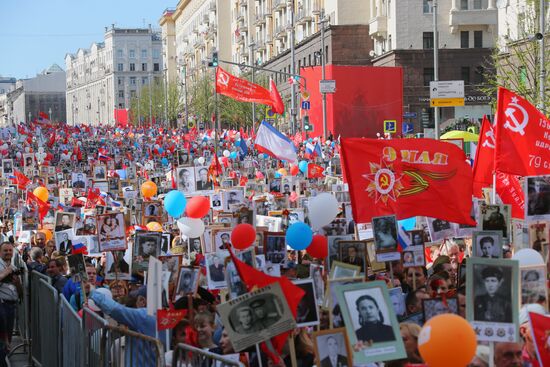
[[7, 320]]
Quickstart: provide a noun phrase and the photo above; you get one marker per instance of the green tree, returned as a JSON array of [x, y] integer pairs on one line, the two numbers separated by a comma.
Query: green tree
[[150, 101]]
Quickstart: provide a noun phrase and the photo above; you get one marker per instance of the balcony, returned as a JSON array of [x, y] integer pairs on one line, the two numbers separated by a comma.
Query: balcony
[[212, 6], [279, 5], [378, 26], [303, 16], [197, 43], [243, 3], [474, 17], [239, 40], [259, 19], [316, 7], [240, 17], [211, 32]]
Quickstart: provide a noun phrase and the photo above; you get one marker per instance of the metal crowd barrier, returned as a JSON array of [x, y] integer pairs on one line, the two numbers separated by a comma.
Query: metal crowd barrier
[[22, 315], [71, 334], [188, 356], [48, 324], [35, 315]]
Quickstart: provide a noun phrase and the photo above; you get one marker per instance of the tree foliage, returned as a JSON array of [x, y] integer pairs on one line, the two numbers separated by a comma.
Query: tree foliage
[[151, 100]]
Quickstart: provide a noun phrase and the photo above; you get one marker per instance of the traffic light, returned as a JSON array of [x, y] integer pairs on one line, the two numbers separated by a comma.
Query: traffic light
[[215, 58], [307, 126]]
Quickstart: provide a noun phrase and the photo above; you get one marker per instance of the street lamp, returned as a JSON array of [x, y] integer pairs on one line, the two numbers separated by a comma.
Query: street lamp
[[184, 84], [433, 4], [252, 46], [50, 113], [322, 22]]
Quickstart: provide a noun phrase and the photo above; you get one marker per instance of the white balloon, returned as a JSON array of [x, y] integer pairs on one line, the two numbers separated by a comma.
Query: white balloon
[[226, 153], [322, 210], [191, 227], [201, 160], [528, 257]]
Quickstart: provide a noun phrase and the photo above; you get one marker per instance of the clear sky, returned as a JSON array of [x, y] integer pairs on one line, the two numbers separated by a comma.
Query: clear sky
[[34, 34]]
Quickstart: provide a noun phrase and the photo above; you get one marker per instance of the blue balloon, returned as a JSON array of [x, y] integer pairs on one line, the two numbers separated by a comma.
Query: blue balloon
[[278, 175], [160, 150], [302, 166], [408, 224], [233, 155], [299, 236], [164, 161], [174, 203], [266, 155], [238, 143]]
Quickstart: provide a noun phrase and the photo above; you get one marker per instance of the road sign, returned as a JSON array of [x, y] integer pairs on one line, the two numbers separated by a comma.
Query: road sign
[[408, 128], [390, 126], [409, 115], [306, 105], [447, 93], [305, 95], [269, 114], [327, 86]]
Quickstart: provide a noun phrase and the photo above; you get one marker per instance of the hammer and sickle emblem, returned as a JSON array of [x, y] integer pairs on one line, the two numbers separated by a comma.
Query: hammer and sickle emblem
[[384, 181], [223, 79], [512, 122], [490, 141]]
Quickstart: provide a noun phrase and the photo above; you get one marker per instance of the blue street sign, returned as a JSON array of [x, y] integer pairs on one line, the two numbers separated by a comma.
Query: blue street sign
[[408, 128], [409, 115], [306, 105], [390, 126]]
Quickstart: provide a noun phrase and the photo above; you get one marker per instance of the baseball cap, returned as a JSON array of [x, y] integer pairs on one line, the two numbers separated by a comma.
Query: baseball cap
[[141, 291], [530, 307]]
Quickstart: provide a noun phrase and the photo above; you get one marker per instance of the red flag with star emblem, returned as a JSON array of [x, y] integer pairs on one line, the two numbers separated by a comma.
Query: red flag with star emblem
[[407, 177], [315, 171], [522, 136]]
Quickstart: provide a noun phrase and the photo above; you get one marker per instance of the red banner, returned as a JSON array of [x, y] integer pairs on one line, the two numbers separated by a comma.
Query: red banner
[[522, 136], [168, 319], [315, 171], [540, 326], [407, 177], [510, 191], [485, 158], [245, 91]]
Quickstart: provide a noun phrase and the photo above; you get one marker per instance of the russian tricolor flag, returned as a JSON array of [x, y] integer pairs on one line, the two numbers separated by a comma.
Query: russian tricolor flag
[[271, 141]]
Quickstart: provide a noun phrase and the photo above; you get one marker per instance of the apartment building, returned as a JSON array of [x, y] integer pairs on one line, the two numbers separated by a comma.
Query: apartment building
[[403, 36], [109, 74]]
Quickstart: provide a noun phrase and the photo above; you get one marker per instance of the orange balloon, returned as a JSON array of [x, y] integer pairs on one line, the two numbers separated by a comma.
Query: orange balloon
[[148, 189], [47, 233], [282, 171], [447, 340], [42, 193], [154, 227]]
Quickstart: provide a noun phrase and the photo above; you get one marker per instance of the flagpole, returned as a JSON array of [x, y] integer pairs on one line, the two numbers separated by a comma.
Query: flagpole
[[493, 192]]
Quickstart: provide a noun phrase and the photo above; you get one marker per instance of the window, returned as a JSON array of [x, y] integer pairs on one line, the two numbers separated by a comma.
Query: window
[[132, 54], [143, 54], [478, 39], [133, 80], [428, 76], [156, 53], [120, 81], [479, 75], [120, 94], [428, 40], [144, 66], [477, 4], [133, 94], [463, 4], [120, 67], [144, 80], [119, 53], [465, 74], [464, 39], [156, 66], [132, 67], [426, 7]]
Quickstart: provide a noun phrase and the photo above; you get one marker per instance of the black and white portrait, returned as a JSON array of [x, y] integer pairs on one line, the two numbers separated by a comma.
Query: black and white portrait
[[316, 274], [91, 242], [7, 167], [332, 348], [146, 244], [440, 229], [235, 285], [492, 293], [385, 237], [222, 239], [79, 180], [537, 192], [215, 269], [495, 218], [64, 221], [100, 172], [533, 285], [152, 209], [353, 253], [397, 298], [187, 281], [538, 237], [437, 306], [119, 264], [488, 244], [186, 179], [64, 241], [307, 313], [275, 248], [233, 197], [216, 201], [111, 231], [203, 183]]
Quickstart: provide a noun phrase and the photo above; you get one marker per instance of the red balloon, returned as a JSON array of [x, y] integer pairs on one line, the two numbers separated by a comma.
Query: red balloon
[[197, 207], [318, 247], [243, 236], [294, 170]]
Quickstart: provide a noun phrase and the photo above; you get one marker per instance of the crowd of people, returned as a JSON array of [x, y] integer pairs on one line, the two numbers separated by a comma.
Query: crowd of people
[[95, 211]]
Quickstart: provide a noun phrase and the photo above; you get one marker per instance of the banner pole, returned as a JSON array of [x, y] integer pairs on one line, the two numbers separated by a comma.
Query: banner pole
[[259, 355], [494, 191]]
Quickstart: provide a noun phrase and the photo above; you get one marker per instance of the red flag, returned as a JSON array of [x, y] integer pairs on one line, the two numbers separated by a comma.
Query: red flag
[[522, 136], [168, 319], [540, 327], [243, 90], [408, 177], [43, 207], [315, 171], [255, 278], [278, 105], [510, 192], [485, 157], [93, 198], [22, 180]]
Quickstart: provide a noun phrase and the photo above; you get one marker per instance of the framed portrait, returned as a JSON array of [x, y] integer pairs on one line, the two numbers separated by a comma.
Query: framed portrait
[[334, 246], [397, 298], [256, 316], [119, 264], [533, 285], [77, 267], [165, 243], [307, 313], [332, 302], [221, 238], [64, 221], [492, 296], [7, 168], [79, 180], [111, 232], [185, 178], [537, 197], [375, 266], [495, 218], [64, 241], [215, 269], [487, 244], [275, 247], [273, 224], [385, 238], [114, 185], [226, 218], [374, 336], [332, 346], [146, 244], [171, 263], [235, 285], [151, 209], [245, 215], [131, 172], [316, 275], [353, 253], [340, 270], [538, 237], [188, 281], [202, 181], [30, 217], [232, 197], [440, 229], [101, 185], [100, 172], [65, 196], [436, 306], [216, 201]]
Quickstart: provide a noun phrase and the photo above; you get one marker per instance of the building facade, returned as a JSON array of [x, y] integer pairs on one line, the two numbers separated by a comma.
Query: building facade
[[43, 93], [7, 85], [108, 75]]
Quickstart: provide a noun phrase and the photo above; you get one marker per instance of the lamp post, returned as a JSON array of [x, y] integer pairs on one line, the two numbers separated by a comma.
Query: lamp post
[[436, 63], [50, 113], [184, 82], [322, 22], [293, 67], [542, 76], [150, 100], [88, 106], [252, 46], [165, 96]]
